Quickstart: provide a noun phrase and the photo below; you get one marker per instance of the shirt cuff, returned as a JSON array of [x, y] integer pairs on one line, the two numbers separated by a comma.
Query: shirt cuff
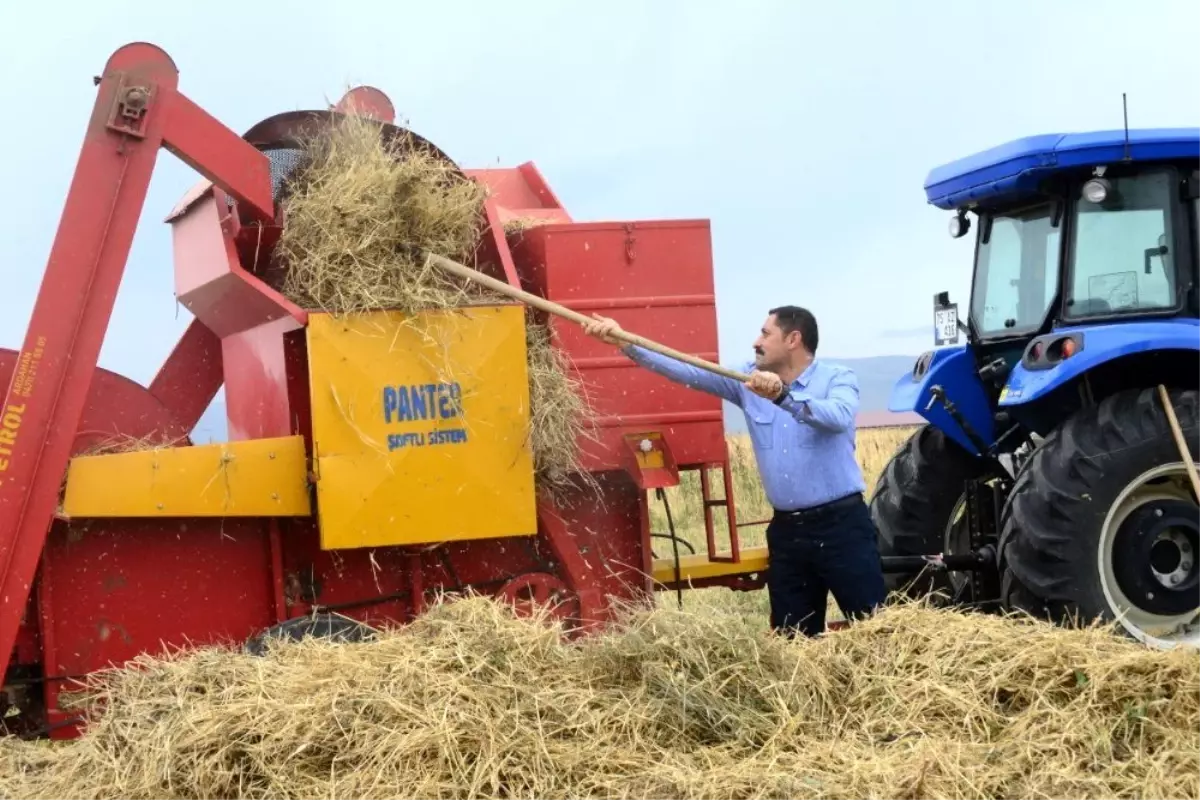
[[795, 401]]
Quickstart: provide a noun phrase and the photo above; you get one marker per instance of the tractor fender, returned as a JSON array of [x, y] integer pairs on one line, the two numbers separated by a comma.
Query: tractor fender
[[1030, 381], [953, 369]]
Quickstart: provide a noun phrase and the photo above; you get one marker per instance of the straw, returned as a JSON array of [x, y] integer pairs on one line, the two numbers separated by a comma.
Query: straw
[[470, 701]]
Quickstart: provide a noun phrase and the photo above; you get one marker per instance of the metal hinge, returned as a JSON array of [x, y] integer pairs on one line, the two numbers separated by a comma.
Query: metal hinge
[[129, 109]]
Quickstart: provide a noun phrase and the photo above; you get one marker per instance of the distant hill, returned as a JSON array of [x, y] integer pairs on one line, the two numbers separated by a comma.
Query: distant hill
[[876, 376]]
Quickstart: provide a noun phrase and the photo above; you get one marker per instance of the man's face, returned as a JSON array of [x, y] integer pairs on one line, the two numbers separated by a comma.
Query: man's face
[[772, 350]]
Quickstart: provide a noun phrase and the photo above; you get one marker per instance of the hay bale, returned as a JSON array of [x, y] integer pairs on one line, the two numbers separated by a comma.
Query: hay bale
[[470, 702], [354, 212]]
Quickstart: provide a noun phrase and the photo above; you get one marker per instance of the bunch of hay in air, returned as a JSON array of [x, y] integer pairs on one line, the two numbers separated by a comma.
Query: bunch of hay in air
[[359, 211], [469, 702]]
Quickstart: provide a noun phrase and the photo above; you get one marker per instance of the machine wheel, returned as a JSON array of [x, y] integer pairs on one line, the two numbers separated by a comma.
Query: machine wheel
[[526, 593], [321, 626], [1102, 522], [919, 506]]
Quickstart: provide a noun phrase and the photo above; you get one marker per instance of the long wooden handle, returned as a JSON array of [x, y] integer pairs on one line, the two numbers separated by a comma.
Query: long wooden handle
[[562, 311], [1180, 442]]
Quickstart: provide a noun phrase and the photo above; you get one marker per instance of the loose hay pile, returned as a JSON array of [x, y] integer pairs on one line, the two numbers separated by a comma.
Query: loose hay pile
[[126, 443], [355, 209], [470, 702], [358, 212], [516, 226], [559, 414]]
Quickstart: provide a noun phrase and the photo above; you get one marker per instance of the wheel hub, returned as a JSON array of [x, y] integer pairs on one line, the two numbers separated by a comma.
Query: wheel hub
[[540, 590], [1165, 557], [1150, 558], [1154, 557]]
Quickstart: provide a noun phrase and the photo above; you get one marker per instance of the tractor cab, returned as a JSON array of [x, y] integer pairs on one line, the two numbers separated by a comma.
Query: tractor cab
[[1103, 244], [1061, 429], [1071, 231], [1077, 238]]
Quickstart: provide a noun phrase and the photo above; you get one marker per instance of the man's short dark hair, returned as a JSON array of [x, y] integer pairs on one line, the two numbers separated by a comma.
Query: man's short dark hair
[[795, 318]]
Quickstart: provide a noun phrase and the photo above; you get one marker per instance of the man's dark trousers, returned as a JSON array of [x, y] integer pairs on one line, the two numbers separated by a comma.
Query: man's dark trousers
[[829, 548]]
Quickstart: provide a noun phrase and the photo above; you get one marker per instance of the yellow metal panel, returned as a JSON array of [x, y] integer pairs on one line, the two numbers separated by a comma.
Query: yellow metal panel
[[420, 427], [256, 478], [753, 559]]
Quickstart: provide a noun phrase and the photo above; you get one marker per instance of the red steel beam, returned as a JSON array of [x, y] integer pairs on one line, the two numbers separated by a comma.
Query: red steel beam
[[138, 110], [191, 376]]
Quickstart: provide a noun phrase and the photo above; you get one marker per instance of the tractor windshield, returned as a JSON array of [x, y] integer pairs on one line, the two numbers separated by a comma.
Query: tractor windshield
[[1122, 262], [1016, 272]]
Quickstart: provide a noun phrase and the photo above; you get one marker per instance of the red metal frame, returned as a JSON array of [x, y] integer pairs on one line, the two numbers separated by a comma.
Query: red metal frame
[[76, 591], [138, 110], [726, 502], [191, 376], [654, 278]]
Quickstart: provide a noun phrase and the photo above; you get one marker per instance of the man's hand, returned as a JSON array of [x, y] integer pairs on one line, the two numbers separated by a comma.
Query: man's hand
[[765, 384], [603, 329]]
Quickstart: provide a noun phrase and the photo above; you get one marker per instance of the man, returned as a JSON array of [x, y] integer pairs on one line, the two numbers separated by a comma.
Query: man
[[800, 413]]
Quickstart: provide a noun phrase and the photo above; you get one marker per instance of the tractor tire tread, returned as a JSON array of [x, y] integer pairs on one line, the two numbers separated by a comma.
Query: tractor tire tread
[[916, 493], [1046, 551]]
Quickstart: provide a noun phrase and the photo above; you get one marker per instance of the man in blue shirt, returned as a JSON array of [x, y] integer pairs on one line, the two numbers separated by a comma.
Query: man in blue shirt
[[800, 413]]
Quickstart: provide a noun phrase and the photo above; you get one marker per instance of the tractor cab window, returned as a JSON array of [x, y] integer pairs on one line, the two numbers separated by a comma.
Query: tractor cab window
[[1123, 260], [1016, 273]]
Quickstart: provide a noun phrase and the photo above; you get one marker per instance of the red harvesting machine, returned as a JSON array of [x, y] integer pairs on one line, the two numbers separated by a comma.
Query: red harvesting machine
[[345, 492]]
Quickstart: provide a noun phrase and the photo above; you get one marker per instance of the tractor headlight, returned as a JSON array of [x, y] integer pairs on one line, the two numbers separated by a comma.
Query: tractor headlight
[[1096, 190], [959, 225]]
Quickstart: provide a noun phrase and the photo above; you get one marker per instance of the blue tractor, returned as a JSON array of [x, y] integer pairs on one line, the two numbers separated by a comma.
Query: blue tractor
[[1050, 477]]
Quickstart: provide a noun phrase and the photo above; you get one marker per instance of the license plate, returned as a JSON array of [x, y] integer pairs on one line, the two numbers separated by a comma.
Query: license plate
[[945, 325]]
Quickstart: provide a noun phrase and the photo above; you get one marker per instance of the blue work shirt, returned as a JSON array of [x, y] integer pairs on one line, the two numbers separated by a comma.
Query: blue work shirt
[[804, 445]]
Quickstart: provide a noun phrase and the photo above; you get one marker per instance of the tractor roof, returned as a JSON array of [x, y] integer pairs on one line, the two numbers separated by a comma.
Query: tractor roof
[[1012, 169]]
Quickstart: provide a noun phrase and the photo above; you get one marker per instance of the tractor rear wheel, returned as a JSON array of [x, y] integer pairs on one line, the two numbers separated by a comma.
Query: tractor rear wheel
[[1102, 522], [919, 506]]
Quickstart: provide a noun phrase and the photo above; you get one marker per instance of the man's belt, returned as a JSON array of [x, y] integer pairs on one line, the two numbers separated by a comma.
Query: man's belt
[[822, 509]]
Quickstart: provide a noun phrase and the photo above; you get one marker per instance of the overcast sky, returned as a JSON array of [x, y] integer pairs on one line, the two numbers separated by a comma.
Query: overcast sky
[[803, 131]]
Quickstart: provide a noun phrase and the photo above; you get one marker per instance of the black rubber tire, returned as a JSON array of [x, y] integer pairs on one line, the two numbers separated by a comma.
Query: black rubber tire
[[320, 626], [913, 500], [1052, 520]]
